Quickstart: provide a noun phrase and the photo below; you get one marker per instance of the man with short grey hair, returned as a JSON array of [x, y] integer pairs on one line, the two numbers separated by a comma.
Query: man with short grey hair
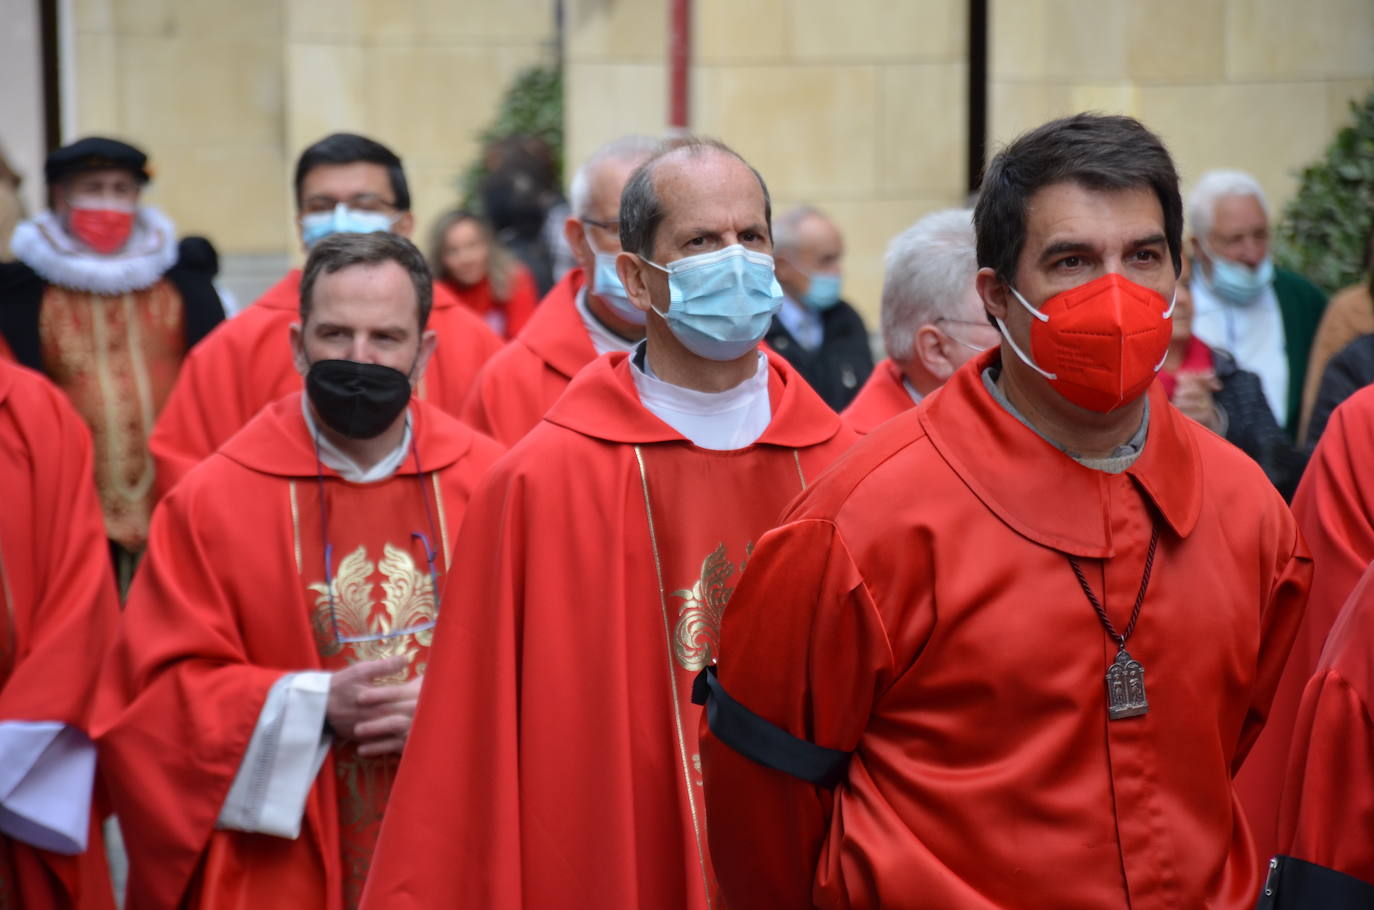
[[272, 650], [585, 315], [932, 317], [1263, 315], [822, 335], [555, 764]]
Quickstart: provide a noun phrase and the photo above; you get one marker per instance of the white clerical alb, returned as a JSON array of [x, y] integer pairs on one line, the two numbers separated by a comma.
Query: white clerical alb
[[725, 420]]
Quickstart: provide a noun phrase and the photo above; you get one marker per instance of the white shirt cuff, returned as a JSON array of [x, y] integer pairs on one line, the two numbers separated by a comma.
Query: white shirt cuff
[[47, 770]]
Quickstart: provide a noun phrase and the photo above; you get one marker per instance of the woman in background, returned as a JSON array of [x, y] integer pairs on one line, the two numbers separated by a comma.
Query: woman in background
[[488, 279]]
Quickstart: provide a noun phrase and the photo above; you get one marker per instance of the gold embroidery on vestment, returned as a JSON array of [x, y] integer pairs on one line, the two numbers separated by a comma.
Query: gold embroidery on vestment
[[696, 639]]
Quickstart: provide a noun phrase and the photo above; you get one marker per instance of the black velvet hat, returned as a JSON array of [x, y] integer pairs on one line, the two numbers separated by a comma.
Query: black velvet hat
[[93, 153]]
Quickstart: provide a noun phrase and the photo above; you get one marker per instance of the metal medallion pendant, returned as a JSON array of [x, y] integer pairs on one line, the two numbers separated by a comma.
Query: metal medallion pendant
[[1126, 688]]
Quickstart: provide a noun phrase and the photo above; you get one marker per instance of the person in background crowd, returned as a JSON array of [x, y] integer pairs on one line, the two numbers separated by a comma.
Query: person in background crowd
[[1343, 353], [11, 207], [554, 764], [521, 198], [1208, 386], [586, 315], [58, 611], [1009, 651], [489, 281], [932, 318], [103, 300], [344, 183], [270, 657], [817, 331], [1264, 316]]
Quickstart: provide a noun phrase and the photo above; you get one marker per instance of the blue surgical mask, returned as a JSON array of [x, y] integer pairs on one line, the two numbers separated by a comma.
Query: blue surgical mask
[[342, 220], [822, 291], [606, 285], [1236, 282], [721, 303]]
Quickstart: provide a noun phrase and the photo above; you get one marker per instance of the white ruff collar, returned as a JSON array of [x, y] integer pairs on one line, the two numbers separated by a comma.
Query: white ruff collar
[[44, 245]]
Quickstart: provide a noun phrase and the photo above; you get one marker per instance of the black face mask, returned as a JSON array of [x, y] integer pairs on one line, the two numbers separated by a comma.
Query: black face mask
[[358, 400]]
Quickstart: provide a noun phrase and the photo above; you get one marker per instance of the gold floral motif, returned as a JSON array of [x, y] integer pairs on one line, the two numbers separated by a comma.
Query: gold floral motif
[[408, 600], [696, 638]]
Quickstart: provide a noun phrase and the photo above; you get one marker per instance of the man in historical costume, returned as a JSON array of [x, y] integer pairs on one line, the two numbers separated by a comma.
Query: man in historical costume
[[555, 765], [932, 317], [272, 649], [344, 184], [585, 315], [1264, 316], [105, 302], [1326, 817], [57, 617], [819, 333], [1334, 507], [1011, 649]]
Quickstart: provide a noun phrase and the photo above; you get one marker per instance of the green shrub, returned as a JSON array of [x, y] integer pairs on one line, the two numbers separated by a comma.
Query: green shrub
[[1325, 228], [533, 105]]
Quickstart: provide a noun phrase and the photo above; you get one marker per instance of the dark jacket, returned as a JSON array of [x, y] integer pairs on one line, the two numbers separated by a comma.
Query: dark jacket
[[1346, 373], [840, 365], [1251, 425], [21, 299]]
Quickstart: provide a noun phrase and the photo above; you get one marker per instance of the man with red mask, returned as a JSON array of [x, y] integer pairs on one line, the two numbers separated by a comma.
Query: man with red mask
[[1010, 651], [104, 300]]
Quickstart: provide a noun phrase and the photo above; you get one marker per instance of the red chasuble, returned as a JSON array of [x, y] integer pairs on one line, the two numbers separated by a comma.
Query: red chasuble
[[525, 378], [882, 397], [232, 595], [1327, 811], [57, 611], [504, 317], [944, 640], [1334, 506], [553, 762], [245, 364]]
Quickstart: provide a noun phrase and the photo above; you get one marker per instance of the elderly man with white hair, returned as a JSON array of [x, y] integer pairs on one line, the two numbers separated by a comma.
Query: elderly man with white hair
[[816, 330], [585, 315], [932, 317], [1263, 315]]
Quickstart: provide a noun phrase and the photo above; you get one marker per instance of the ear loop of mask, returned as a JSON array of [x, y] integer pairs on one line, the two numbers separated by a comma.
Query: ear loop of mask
[[1168, 314], [665, 271], [1002, 327]]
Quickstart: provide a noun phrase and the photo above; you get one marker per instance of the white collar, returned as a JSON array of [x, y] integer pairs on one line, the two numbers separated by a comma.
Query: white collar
[[732, 419], [334, 458], [44, 245], [911, 390], [604, 341]]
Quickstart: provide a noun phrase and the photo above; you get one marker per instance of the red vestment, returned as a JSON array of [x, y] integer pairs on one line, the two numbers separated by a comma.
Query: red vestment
[[231, 596], [246, 364], [553, 760], [1334, 506], [1327, 809], [942, 637], [57, 611], [883, 396], [511, 314], [518, 385]]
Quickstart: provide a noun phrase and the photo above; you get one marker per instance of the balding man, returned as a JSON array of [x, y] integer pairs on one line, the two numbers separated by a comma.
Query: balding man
[[585, 315], [820, 334], [1263, 315], [932, 318], [556, 765]]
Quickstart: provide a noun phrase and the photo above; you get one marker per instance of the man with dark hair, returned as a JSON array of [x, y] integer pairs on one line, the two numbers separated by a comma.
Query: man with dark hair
[[587, 314], [555, 764], [1010, 652], [105, 302], [271, 653], [344, 184]]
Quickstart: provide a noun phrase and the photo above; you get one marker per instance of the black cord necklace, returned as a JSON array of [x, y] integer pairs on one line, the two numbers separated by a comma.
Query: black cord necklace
[[1126, 676]]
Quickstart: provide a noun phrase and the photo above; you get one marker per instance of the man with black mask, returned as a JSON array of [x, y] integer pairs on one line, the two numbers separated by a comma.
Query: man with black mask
[[272, 650]]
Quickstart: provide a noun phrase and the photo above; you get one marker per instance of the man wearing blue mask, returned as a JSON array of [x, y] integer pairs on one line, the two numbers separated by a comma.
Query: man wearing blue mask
[[822, 335], [556, 763], [344, 183], [1265, 316], [582, 317]]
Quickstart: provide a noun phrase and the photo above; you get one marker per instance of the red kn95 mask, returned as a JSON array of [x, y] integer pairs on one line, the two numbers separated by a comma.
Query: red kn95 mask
[[1099, 344], [104, 229]]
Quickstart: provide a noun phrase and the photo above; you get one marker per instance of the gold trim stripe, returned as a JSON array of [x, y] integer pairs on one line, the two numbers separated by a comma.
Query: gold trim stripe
[[672, 678], [443, 527], [9, 645], [796, 456], [296, 526]]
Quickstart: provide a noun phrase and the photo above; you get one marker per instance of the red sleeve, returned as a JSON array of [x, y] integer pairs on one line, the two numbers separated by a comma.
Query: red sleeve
[[195, 420], [803, 646], [452, 824]]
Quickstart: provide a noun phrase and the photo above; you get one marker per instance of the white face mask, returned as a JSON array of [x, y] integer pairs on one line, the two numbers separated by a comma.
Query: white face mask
[[722, 302]]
